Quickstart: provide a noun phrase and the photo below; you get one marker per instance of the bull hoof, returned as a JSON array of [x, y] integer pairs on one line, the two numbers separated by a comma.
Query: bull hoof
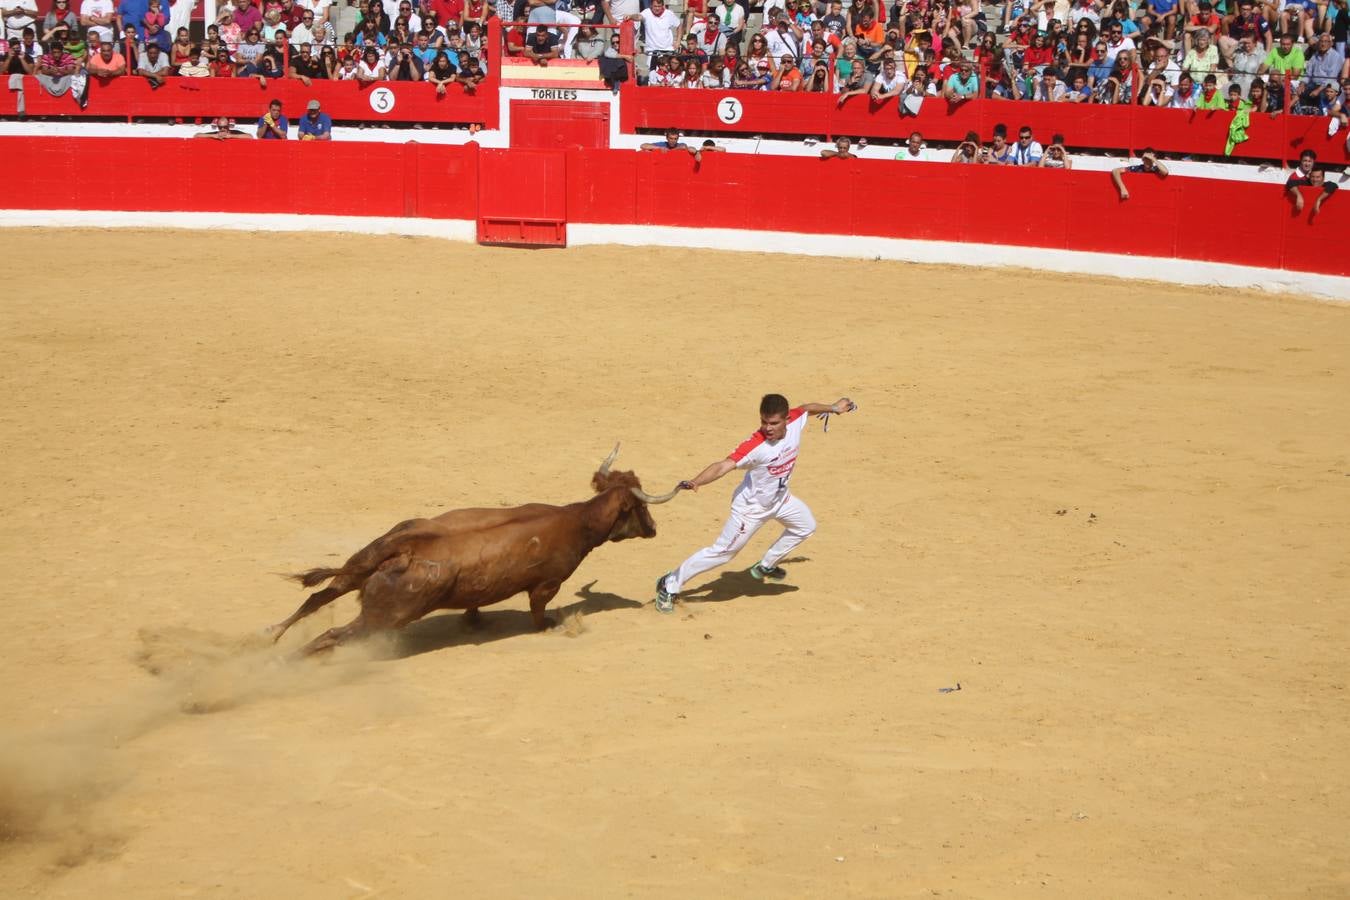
[[472, 619], [545, 623]]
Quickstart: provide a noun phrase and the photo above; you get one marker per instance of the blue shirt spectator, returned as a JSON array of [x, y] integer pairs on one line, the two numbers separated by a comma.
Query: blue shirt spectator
[[315, 125], [132, 12]]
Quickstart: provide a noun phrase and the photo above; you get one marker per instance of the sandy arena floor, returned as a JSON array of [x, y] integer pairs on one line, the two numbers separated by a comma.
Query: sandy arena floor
[[1117, 514]]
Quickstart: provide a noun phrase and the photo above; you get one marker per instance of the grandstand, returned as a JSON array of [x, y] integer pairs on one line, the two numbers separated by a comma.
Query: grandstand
[[1229, 100]]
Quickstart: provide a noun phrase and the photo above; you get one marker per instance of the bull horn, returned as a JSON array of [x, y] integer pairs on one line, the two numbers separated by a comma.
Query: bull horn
[[649, 498], [609, 460]]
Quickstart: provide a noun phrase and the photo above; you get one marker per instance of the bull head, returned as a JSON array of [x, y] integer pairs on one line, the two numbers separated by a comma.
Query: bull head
[[634, 519]]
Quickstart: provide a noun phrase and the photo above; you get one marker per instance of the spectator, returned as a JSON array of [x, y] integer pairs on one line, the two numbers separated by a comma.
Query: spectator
[[442, 73], [1028, 151], [1323, 70], [222, 129], [16, 62], [785, 38], [249, 54], [1210, 98], [21, 14], [229, 29], [888, 83], [1203, 58], [349, 71], [842, 149], [1286, 59], [730, 23], [913, 149], [222, 64], [660, 28], [963, 85], [315, 125], [1056, 157], [541, 47], [98, 16], [59, 17], [968, 151], [1246, 22], [614, 64], [1049, 88], [370, 68], [272, 63], [1307, 175], [1247, 63], [108, 64], [672, 142], [692, 76], [1206, 20], [1148, 165], [818, 82], [918, 89], [153, 66], [247, 16], [471, 74], [405, 65], [304, 65], [59, 73], [328, 63], [998, 152], [273, 125], [181, 52], [1185, 96]]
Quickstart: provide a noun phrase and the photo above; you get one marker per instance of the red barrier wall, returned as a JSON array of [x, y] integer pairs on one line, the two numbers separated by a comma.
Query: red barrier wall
[[1106, 127], [1188, 218]]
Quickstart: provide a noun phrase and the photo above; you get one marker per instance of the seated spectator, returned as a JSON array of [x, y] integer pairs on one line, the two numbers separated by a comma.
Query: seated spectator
[[405, 66], [963, 85], [1119, 87], [315, 125], [58, 17], [1210, 98], [1185, 96], [272, 63], [818, 82], [1204, 19], [248, 53], [1285, 59], [349, 71], [888, 83], [842, 149], [370, 68], [998, 152], [913, 149], [229, 29], [916, 90], [1049, 88], [304, 65], [222, 129], [153, 66], [1148, 165], [273, 125], [328, 63], [1028, 151], [1078, 91], [1203, 58], [59, 73], [1322, 73], [222, 64], [1259, 99], [108, 64], [969, 150], [614, 65], [692, 77], [1056, 157], [590, 43], [471, 74]]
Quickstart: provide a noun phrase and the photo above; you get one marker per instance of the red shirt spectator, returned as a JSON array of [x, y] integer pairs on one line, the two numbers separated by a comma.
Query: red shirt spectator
[[446, 10]]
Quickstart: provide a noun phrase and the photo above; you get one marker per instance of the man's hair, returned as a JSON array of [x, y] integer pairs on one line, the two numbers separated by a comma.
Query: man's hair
[[773, 405], [1308, 154]]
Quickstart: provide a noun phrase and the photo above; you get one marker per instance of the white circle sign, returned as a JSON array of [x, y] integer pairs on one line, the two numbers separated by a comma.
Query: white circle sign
[[382, 100], [729, 110]]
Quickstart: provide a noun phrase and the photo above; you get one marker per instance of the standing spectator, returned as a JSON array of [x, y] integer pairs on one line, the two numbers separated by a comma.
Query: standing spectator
[[660, 28], [1148, 165], [108, 64], [153, 65], [614, 64], [315, 125], [20, 14], [273, 125], [98, 16], [1028, 151], [58, 73]]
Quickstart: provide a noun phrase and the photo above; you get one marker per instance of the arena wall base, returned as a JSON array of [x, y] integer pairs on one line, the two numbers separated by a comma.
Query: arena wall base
[[1073, 262]]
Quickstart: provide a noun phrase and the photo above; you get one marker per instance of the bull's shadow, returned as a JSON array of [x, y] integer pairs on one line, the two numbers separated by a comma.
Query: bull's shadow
[[449, 629], [733, 585]]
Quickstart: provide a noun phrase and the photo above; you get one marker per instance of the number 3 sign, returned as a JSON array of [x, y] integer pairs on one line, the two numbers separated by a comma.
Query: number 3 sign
[[729, 110], [382, 100]]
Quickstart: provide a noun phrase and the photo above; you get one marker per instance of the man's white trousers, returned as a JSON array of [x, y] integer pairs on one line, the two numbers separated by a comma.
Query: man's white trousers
[[744, 521]]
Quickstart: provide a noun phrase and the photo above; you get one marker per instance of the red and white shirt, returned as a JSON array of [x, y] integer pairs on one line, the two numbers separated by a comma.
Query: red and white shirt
[[768, 464]]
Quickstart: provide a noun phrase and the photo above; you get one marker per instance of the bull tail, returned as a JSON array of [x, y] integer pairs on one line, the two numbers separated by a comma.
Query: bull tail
[[313, 577]]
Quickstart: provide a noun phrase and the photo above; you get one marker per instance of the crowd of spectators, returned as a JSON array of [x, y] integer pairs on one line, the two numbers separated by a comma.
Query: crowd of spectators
[[1189, 54], [437, 41]]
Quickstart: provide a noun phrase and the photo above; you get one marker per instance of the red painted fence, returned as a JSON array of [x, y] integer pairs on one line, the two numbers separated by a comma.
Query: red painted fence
[[1189, 218], [1108, 127]]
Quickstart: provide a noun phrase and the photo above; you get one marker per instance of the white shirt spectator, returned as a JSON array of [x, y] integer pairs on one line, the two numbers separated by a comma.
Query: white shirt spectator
[[889, 84], [1180, 102], [15, 24], [622, 9], [659, 31], [737, 16], [302, 35], [1112, 51], [782, 43], [97, 8], [320, 8], [1052, 94], [711, 80]]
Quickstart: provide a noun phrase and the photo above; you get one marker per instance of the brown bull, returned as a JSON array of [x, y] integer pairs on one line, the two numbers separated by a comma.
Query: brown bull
[[467, 558]]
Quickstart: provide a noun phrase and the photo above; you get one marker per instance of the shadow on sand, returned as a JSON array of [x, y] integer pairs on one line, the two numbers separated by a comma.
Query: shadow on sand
[[449, 629], [732, 585]]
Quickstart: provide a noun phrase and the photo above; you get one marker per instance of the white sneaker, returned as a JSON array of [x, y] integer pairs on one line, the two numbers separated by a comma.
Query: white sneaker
[[1333, 126]]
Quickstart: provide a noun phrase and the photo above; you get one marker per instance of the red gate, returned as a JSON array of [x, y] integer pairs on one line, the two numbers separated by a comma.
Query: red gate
[[522, 198]]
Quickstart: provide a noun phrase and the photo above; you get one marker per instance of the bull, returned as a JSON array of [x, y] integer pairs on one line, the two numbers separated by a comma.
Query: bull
[[469, 558]]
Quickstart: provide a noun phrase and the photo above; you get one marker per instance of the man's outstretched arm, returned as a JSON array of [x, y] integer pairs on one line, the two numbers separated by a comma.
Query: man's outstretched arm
[[838, 408], [709, 475]]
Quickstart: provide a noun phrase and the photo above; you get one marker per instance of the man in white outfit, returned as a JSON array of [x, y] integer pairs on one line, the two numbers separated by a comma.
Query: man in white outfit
[[768, 457]]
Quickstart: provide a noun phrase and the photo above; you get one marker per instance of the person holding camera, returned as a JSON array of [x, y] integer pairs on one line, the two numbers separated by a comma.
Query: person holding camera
[[405, 65]]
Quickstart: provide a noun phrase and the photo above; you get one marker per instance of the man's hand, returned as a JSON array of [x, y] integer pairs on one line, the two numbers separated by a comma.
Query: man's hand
[[844, 405], [687, 486]]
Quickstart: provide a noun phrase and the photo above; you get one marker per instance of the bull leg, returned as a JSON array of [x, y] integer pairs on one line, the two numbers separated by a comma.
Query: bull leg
[[472, 618], [540, 595], [315, 602], [332, 637]]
